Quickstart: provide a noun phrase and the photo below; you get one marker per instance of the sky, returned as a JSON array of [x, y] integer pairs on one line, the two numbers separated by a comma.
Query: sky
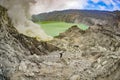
[[51, 5]]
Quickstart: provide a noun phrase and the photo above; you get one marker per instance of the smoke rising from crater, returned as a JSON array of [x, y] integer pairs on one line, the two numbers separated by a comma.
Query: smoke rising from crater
[[19, 12], [51, 5]]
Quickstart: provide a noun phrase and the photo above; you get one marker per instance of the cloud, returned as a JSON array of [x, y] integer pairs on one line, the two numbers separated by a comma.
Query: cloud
[[109, 4], [95, 1], [50, 5], [102, 7]]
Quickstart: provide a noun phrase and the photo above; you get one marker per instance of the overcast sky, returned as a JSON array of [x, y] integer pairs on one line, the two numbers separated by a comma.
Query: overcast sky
[[51, 5]]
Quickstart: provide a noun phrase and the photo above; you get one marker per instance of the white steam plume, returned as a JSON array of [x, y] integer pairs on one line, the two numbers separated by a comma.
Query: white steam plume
[[18, 11], [51, 5]]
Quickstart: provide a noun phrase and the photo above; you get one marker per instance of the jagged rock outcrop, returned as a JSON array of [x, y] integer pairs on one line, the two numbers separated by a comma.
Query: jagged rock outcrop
[[16, 47], [93, 54], [96, 52]]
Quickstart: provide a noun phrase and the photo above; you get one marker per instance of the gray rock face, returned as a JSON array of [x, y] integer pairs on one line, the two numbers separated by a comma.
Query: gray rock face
[[16, 48], [88, 17], [93, 54]]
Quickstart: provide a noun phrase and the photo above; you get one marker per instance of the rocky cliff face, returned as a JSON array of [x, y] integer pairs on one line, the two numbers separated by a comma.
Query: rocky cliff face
[[88, 17], [93, 54], [16, 47]]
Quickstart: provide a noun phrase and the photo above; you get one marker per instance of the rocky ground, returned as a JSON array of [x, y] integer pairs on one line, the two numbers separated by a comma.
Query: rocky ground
[[93, 54]]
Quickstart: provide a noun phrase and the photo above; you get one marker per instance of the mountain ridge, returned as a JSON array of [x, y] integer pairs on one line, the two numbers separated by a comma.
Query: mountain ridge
[[88, 17]]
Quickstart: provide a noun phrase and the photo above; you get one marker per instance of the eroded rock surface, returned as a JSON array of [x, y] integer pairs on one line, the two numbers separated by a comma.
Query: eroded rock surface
[[93, 54]]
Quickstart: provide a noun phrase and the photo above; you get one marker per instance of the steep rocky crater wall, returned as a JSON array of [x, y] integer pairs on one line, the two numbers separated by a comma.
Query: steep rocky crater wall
[[93, 54]]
